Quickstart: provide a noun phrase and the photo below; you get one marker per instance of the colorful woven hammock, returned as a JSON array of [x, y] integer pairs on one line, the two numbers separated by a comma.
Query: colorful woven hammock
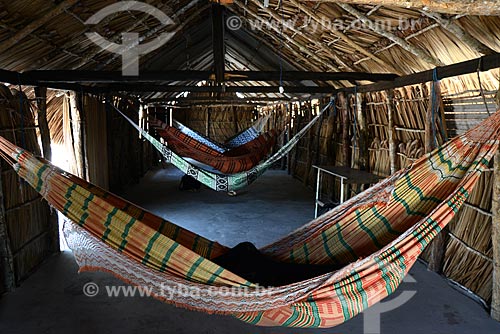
[[236, 160], [239, 139], [222, 182], [374, 237]]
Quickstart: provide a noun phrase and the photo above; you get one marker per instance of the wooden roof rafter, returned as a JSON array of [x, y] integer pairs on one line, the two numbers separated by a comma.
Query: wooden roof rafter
[[340, 62], [159, 29], [291, 42], [468, 7], [459, 32], [417, 51], [342, 36]]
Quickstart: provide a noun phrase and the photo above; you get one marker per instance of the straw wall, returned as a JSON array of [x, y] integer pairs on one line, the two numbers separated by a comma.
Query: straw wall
[[26, 233]]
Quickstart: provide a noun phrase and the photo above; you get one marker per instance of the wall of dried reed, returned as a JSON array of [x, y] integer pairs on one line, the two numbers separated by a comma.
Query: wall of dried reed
[[220, 122], [26, 232]]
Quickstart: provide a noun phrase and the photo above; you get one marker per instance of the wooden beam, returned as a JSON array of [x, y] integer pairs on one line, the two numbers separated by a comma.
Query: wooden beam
[[75, 76], [218, 41], [419, 52], [36, 24], [468, 7], [213, 89], [470, 66], [459, 32], [192, 99], [495, 237]]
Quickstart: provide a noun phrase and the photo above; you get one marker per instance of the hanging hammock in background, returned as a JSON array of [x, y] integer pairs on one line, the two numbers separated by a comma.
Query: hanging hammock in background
[[238, 139], [370, 242], [236, 160], [222, 182]]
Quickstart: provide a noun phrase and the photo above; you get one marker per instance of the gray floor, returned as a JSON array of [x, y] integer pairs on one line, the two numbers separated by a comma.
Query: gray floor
[[52, 300]]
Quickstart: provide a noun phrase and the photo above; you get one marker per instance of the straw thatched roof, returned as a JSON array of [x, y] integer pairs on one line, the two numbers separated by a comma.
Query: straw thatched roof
[[297, 35]]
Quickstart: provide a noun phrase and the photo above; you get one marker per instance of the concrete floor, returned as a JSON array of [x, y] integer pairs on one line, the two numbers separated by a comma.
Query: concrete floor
[[52, 300]]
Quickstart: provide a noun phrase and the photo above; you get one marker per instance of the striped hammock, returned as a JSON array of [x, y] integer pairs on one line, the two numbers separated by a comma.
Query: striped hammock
[[216, 181], [239, 139], [236, 160], [374, 238]]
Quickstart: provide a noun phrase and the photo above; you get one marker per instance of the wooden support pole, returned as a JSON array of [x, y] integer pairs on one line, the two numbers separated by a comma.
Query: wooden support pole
[[331, 138], [317, 140], [393, 146], [76, 130], [438, 245], [43, 125], [289, 135], [364, 157], [495, 237], [207, 125], [6, 258], [346, 124], [310, 144]]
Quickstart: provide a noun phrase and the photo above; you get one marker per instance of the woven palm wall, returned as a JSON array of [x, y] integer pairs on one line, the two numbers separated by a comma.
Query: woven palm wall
[[219, 122], [27, 235]]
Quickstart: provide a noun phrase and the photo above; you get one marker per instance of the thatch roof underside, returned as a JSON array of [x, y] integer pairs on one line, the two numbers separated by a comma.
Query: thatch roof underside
[[300, 35]]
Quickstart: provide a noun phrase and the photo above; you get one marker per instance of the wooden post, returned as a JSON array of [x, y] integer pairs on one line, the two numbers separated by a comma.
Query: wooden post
[[289, 135], [317, 144], [438, 245], [6, 258], [235, 120], [43, 125], [207, 129], [364, 157], [76, 129], [393, 156], [346, 142], [310, 143], [495, 237], [330, 138]]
